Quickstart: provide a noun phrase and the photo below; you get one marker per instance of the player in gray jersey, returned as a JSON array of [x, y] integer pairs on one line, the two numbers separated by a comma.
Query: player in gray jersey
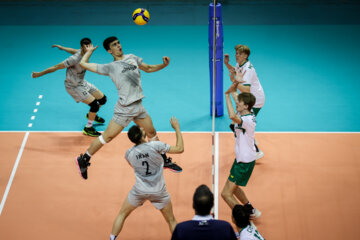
[[146, 160], [78, 87], [124, 71]]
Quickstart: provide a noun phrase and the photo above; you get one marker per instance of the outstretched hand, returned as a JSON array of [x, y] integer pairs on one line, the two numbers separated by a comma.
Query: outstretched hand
[[57, 46], [90, 47], [166, 60], [174, 123], [226, 58], [35, 74]]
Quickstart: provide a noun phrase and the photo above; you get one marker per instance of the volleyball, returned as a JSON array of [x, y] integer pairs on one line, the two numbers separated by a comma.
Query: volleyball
[[141, 16]]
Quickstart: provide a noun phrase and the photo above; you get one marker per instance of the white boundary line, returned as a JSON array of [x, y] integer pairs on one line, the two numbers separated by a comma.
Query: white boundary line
[[13, 171], [173, 132], [216, 178]]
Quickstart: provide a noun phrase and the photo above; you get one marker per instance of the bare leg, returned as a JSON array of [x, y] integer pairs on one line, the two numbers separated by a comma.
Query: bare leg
[[87, 101], [228, 194], [168, 214], [125, 210], [240, 194], [110, 133], [148, 126]]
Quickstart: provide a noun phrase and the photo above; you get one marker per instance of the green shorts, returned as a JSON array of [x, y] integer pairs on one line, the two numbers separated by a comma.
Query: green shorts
[[240, 172]]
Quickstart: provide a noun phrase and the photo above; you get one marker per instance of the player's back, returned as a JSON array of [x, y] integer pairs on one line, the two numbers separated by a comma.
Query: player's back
[[148, 164]]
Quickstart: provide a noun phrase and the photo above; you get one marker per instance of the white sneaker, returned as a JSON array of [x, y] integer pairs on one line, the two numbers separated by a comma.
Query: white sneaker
[[256, 214], [259, 154]]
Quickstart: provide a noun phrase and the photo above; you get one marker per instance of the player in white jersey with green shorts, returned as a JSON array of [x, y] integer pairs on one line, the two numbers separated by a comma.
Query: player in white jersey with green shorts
[[124, 71], [245, 152], [245, 72], [146, 160], [78, 88], [246, 228]]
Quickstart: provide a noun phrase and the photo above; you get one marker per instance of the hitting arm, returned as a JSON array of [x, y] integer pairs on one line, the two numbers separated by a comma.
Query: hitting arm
[[232, 115], [84, 63]]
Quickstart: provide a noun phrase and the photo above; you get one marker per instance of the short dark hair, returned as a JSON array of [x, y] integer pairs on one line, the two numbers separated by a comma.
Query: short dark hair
[[107, 42], [85, 41], [135, 134], [248, 99], [241, 215], [203, 200]]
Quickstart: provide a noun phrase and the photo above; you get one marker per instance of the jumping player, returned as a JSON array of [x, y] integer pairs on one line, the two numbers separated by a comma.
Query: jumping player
[[78, 88], [124, 71]]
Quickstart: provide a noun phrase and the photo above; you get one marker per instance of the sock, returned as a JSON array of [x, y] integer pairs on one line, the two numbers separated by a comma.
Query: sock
[[112, 237], [89, 123], [87, 156], [249, 204]]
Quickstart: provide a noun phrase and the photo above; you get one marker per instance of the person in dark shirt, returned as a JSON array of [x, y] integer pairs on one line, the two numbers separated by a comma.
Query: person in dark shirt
[[203, 226]]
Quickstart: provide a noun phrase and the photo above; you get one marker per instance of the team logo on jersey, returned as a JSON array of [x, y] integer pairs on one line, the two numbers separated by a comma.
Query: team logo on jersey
[[128, 67]]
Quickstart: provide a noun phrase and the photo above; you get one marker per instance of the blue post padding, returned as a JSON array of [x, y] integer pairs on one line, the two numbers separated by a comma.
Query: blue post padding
[[219, 109]]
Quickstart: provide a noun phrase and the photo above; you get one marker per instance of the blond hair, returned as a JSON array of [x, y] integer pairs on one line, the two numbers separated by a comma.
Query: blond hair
[[242, 49]]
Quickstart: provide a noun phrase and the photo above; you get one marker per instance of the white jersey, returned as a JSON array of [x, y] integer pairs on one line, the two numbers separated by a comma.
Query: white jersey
[[250, 233], [251, 79], [148, 165], [126, 75], [244, 143], [74, 73]]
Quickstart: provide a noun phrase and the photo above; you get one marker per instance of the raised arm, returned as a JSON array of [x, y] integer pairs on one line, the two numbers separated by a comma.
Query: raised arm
[[227, 64], [232, 115], [179, 148], [84, 63], [66, 49], [153, 68], [48, 70]]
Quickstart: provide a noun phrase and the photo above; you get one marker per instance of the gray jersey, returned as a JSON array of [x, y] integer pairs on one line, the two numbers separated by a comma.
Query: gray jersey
[[126, 75], [148, 165], [74, 73]]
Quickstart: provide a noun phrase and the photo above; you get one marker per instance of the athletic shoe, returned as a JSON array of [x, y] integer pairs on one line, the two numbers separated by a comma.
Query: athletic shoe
[[256, 214], [90, 131], [82, 166], [168, 164], [97, 119], [259, 154]]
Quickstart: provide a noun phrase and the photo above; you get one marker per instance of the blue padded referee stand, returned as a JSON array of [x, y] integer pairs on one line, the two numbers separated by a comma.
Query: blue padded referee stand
[[219, 105]]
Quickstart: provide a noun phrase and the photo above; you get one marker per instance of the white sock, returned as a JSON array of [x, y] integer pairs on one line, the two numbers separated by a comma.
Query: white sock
[[89, 123], [112, 237]]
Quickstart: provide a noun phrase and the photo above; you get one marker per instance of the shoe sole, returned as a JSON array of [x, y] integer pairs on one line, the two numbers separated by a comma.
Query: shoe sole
[[255, 216], [173, 170], [77, 164], [259, 156]]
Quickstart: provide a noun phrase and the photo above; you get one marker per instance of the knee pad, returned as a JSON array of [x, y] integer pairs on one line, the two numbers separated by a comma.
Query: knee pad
[[94, 106], [103, 100]]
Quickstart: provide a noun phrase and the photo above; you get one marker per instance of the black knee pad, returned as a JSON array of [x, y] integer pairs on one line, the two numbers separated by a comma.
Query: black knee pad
[[103, 100], [94, 106]]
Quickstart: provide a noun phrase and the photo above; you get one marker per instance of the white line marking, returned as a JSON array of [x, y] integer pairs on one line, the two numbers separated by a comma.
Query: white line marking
[[216, 183], [30, 125], [35, 110], [13, 172]]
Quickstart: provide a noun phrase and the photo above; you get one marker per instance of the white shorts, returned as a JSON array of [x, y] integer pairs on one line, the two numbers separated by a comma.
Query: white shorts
[[123, 115], [159, 200], [82, 91]]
